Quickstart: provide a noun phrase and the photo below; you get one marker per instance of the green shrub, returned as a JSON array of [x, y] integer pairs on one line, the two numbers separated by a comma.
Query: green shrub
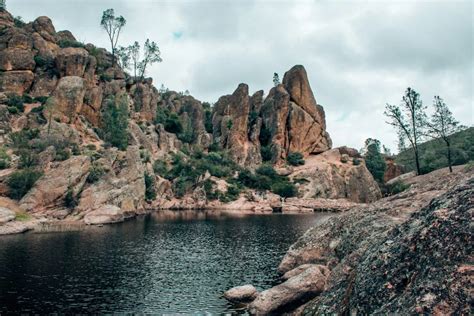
[[21, 181], [22, 216], [208, 121], [150, 191], [115, 123], [173, 124], [211, 194], [13, 110], [295, 159], [284, 189], [64, 43], [70, 201], [160, 168], [232, 194], [62, 154], [145, 156], [15, 101], [18, 20], [4, 164], [266, 153], [397, 187], [4, 159], [28, 158], [96, 172], [41, 99], [105, 77], [355, 161], [267, 170]]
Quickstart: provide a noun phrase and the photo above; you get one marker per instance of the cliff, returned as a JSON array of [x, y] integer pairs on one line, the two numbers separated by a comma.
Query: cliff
[[82, 140]]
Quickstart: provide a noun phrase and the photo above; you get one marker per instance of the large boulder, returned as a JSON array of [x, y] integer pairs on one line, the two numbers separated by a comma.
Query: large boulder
[[6, 19], [332, 175], [296, 290], [16, 59], [44, 26], [49, 191], [17, 81], [241, 294], [72, 61], [6, 215], [122, 186], [106, 214], [68, 98], [388, 262]]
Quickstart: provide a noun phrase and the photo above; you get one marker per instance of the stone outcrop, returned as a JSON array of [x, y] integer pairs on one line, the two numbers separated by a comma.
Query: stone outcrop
[[68, 98], [17, 81], [241, 294], [296, 290], [331, 176], [393, 170], [231, 126], [295, 122], [50, 190], [106, 214], [123, 185], [388, 261], [72, 61]]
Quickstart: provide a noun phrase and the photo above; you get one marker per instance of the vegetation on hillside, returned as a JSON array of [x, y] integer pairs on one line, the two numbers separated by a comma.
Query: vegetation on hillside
[[433, 153]]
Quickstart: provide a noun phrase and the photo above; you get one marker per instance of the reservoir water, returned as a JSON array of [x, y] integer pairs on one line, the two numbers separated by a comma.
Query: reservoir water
[[163, 263]]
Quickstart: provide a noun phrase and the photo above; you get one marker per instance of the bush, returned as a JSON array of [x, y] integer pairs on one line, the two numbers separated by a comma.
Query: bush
[[28, 158], [20, 182], [4, 164], [267, 170], [232, 194], [145, 156], [211, 194], [266, 153], [15, 101], [295, 159], [284, 189], [115, 123], [208, 120], [150, 192], [62, 154], [4, 159], [70, 43], [96, 172], [13, 110], [160, 168], [18, 20], [355, 161], [173, 124], [397, 187], [70, 201]]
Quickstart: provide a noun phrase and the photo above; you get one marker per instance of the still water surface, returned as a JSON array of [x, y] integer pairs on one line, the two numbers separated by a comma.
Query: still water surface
[[162, 263]]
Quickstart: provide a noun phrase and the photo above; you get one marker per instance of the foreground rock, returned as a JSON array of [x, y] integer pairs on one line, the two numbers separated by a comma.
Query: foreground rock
[[293, 292], [241, 294], [405, 254]]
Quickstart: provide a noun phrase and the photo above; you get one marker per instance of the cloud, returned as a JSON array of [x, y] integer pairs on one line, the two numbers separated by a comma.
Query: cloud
[[359, 55]]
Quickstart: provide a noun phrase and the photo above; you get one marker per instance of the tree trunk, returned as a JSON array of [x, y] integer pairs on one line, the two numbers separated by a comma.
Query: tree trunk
[[448, 145], [417, 160]]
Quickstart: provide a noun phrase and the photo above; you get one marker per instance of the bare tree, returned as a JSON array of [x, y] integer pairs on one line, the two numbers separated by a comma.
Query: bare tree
[[442, 125], [410, 120], [112, 25]]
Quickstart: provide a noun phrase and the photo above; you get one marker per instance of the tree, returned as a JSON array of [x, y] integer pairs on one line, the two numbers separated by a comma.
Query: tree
[[134, 51], [374, 160], [115, 122], [443, 124], [276, 79], [151, 56], [112, 25], [410, 120]]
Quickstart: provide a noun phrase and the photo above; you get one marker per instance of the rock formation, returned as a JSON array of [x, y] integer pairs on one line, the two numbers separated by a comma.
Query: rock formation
[[59, 89]]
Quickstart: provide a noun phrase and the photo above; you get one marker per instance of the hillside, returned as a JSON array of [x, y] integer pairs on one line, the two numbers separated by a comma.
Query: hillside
[[433, 152]]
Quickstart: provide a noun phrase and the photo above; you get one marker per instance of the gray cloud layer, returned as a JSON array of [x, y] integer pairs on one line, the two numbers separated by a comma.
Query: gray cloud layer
[[359, 54]]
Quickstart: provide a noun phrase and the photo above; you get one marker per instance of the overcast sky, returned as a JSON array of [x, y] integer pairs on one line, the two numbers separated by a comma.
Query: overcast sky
[[359, 55]]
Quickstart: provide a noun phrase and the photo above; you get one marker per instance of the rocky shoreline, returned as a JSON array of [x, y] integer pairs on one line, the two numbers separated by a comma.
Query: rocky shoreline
[[390, 256]]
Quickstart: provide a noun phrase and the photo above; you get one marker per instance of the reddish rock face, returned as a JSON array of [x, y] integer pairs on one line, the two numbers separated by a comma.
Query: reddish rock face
[[17, 81], [72, 61], [16, 59], [393, 170]]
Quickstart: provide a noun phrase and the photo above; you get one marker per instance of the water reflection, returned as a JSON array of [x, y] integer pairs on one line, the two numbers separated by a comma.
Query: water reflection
[[169, 262]]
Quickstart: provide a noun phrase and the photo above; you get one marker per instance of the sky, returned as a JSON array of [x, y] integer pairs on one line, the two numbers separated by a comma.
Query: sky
[[359, 55]]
